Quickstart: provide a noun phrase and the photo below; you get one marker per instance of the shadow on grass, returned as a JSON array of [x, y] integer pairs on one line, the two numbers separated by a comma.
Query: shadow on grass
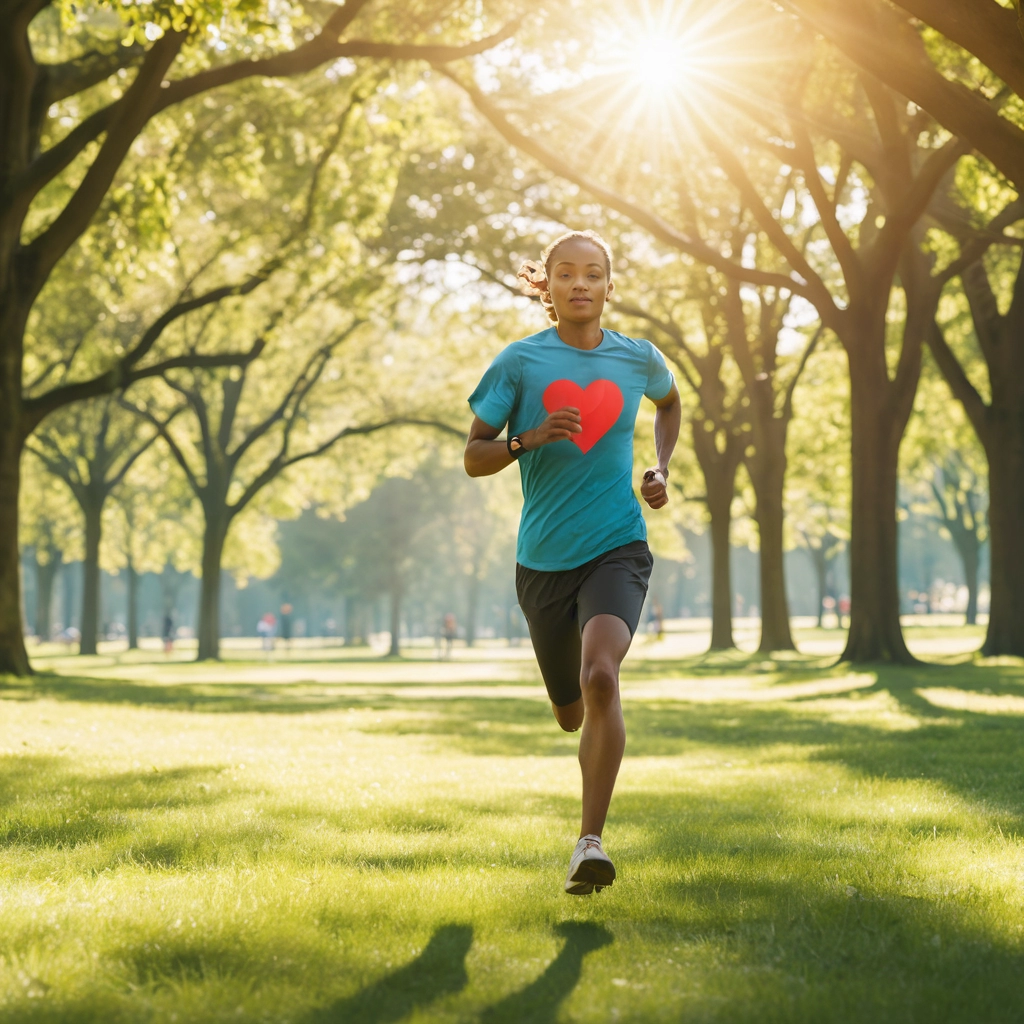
[[439, 970], [539, 1002], [47, 805]]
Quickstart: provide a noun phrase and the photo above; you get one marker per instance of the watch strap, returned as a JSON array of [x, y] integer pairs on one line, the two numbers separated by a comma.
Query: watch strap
[[515, 446]]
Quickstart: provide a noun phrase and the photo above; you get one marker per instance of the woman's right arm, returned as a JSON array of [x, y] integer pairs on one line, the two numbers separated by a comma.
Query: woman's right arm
[[486, 456]]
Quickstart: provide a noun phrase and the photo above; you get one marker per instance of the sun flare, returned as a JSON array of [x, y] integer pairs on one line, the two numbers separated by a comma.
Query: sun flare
[[657, 63], [662, 71]]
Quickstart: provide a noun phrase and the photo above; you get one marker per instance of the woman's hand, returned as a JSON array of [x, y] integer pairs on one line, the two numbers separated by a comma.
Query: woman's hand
[[559, 426], [654, 489]]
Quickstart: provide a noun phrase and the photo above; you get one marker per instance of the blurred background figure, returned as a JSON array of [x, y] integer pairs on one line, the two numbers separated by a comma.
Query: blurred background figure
[[286, 624], [451, 631], [266, 628], [168, 632]]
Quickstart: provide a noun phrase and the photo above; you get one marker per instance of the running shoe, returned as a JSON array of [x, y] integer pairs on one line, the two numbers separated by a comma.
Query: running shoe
[[590, 870]]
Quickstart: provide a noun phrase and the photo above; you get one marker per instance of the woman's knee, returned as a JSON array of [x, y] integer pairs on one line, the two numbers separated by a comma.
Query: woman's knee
[[600, 682]]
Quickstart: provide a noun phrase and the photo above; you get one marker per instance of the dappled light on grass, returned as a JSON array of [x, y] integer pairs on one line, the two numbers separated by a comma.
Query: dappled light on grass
[[815, 845]]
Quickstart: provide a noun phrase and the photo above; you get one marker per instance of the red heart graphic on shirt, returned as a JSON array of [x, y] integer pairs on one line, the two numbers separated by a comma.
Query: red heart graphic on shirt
[[599, 406]]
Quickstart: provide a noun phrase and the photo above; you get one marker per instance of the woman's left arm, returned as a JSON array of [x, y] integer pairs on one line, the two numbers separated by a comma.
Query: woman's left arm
[[654, 489]]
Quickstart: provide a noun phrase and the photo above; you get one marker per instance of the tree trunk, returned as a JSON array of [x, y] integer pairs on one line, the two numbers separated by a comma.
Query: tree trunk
[[768, 478], [133, 607], [93, 514], [819, 559], [45, 575], [396, 620], [877, 429], [720, 509], [970, 559], [13, 656], [208, 626], [719, 469], [1005, 634]]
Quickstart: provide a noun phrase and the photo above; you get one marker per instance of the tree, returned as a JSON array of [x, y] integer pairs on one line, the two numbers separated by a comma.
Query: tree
[[67, 175], [52, 528], [91, 447], [818, 482], [151, 526]]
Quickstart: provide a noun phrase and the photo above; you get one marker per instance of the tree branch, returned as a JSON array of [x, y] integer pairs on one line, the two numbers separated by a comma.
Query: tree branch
[[280, 463], [964, 391], [645, 218], [847, 256], [47, 248], [35, 410], [787, 403], [814, 290], [86, 70], [876, 38], [984, 28], [176, 452]]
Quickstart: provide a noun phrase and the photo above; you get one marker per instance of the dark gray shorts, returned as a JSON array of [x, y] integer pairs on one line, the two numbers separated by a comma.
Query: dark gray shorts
[[557, 606]]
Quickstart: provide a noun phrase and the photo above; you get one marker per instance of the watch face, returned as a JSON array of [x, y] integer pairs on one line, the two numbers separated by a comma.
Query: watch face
[[516, 443]]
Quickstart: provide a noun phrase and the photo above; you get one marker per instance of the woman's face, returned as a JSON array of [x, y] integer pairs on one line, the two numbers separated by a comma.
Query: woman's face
[[578, 281]]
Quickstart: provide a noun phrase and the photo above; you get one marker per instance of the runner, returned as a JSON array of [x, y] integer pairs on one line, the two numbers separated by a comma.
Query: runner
[[570, 396]]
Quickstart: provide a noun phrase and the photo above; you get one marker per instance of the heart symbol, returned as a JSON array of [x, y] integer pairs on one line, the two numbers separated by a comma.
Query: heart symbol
[[599, 406]]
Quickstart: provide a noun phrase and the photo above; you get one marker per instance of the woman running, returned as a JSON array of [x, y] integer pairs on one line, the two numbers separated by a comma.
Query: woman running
[[570, 396]]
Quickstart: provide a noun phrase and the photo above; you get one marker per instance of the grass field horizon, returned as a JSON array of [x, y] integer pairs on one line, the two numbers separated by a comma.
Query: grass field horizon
[[328, 835]]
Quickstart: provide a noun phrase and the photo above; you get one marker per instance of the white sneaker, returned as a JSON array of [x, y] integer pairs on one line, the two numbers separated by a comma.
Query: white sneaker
[[590, 869]]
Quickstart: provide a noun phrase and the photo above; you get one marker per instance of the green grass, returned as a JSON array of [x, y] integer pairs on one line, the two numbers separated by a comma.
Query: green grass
[[354, 840]]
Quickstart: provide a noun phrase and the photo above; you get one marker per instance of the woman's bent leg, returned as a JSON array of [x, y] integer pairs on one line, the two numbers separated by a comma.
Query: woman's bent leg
[[606, 639]]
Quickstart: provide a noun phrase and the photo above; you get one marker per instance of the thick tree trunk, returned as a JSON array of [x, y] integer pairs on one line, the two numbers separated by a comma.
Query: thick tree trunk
[[875, 631], [1005, 634], [46, 573], [208, 626], [91, 579], [768, 475], [133, 607], [13, 656], [720, 509], [396, 621]]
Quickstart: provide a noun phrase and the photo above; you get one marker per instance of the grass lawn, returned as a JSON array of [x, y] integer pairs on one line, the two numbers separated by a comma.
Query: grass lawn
[[332, 837]]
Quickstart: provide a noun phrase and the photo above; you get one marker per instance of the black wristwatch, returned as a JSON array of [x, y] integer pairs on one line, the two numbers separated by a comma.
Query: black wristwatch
[[515, 446]]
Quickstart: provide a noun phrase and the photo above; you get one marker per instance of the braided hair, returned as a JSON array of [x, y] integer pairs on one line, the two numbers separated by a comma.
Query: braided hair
[[533, 276]]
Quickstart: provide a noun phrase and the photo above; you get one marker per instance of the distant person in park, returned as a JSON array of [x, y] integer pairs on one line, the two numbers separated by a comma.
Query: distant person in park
[[570, 397], [266, 628], [451, 631], [657, 620], [286, 624], [168, 632]]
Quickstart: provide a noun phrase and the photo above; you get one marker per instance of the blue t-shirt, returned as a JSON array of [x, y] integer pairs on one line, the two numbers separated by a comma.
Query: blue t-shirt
[[578, 494]]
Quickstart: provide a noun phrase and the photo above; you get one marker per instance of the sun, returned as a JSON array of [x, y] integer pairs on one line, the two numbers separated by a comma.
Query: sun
[[656, 63], [662, 69]]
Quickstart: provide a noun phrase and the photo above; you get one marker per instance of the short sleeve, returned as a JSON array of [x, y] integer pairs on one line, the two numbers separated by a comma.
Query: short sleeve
[[659, 377], [495, 395]]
